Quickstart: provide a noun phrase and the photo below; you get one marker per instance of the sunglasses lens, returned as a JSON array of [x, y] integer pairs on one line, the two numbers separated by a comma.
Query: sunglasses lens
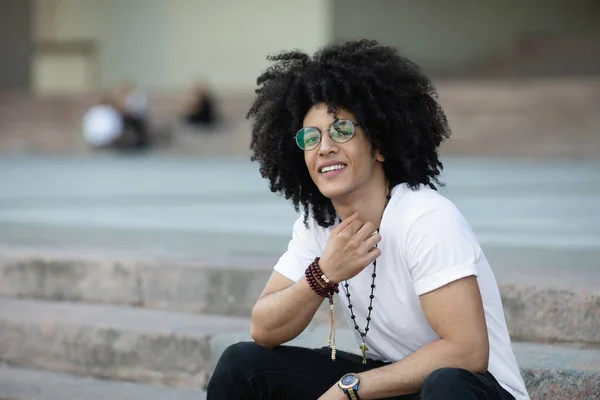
[[308, 138], [342, 131]]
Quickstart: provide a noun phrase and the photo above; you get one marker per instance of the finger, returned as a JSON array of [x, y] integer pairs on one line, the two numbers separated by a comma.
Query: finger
[[353, 228], [371, 241], [347, 221], [371, 255], [366, 230]]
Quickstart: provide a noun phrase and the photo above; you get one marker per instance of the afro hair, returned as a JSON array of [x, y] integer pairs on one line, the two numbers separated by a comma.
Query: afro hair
[[392, 99]]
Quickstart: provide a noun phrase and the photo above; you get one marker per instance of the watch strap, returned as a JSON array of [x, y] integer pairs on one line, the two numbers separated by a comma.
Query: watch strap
[[352, 393]]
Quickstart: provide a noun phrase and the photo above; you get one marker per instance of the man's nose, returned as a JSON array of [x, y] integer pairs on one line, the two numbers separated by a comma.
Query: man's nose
[[327, 145]]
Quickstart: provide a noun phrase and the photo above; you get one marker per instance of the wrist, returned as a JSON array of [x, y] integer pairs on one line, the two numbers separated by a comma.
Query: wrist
[[326, 268], [349, 384]]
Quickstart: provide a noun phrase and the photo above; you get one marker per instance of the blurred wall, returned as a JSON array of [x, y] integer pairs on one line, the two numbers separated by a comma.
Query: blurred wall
[[15, 44], [166, 44], [447, 37], [84, 45]]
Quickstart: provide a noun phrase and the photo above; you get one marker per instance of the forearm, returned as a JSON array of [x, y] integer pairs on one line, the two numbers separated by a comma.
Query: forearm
[[407, 375], [281, 316]]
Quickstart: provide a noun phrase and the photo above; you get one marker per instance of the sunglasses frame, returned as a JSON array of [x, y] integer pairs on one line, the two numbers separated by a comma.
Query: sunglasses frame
[[354, 126]]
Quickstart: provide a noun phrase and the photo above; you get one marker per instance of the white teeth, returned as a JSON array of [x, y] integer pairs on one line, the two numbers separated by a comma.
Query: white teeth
[[332, 168]]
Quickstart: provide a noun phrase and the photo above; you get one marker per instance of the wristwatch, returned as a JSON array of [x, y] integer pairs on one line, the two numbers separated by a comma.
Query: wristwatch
[[349, 384]]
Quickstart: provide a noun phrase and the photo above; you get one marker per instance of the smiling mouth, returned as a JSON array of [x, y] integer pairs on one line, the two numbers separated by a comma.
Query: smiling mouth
[[331, 168]]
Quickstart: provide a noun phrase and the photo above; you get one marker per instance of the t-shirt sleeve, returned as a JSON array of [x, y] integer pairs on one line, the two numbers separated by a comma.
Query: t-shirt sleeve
[[442, 248], [302, 249]]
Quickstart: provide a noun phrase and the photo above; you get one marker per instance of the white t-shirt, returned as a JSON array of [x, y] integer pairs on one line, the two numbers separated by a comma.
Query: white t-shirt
[[426, 243]]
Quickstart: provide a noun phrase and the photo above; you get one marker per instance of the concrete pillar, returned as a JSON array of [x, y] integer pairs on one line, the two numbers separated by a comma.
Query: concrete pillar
[[16, 44]]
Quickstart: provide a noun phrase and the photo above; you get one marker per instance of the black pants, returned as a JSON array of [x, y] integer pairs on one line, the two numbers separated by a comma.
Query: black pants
[[248, 371]]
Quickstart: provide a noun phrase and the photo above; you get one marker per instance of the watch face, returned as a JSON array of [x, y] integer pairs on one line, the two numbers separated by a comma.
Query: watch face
[[348, 381]]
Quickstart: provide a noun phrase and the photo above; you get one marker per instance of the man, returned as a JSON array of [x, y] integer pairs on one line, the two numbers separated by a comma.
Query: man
[[351, 135]]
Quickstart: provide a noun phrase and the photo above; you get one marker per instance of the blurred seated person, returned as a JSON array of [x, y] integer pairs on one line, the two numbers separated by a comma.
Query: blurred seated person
[[106, 126], [133, 105], [199, 107]]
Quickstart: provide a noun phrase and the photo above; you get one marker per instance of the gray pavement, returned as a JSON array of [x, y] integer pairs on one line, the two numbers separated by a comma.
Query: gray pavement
[[542, 213], [24, 384]]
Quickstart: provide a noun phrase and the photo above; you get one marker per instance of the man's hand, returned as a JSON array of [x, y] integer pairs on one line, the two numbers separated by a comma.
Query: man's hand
[[334, 393], [350, 248]]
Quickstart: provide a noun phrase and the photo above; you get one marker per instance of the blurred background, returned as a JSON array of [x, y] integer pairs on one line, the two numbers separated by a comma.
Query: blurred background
[[522, 75], [133, 226]]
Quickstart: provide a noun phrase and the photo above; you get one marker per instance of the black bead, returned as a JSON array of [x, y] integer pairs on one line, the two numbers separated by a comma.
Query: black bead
[[353, 317], [348, 295], [355, 327], [374, 275], [370, 308], [347, 285], [371, 296], [373, 286], [366, 329], [349, 305], [368, 318]]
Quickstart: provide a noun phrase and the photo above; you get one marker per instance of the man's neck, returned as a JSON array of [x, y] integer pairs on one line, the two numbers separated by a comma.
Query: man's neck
[[369, 201]]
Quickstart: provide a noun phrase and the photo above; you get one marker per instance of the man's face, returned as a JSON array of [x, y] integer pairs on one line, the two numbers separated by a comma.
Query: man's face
[[353, 162]]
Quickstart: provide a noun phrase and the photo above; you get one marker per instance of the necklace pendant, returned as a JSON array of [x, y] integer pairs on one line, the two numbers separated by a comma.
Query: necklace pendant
[[363, 347]]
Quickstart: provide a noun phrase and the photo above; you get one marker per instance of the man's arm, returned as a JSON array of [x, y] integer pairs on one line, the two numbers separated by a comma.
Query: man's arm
[[455, 312], [283, 310]]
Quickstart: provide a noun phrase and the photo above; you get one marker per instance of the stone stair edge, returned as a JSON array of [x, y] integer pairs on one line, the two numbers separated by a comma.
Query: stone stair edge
[[19, 257], [111, 342], [533, 312], [119, 317], [172, 357], [26, 255], [235, 329]]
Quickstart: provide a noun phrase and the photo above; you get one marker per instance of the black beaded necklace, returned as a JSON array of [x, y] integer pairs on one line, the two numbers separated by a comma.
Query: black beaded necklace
[[363, 347]]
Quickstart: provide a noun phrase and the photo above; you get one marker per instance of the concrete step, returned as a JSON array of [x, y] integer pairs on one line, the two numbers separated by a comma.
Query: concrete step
[[26, 384], [180, 350], [111, 342], [550, 305]]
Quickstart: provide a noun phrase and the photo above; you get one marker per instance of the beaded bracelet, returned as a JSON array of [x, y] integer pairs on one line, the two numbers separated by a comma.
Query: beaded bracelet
[[322, 285], [318, 281]]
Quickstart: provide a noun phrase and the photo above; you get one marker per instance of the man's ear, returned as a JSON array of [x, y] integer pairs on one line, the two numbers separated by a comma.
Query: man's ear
[[378, 156]]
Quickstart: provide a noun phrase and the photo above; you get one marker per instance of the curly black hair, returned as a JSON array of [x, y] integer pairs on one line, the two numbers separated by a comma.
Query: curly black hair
[[392, 99]]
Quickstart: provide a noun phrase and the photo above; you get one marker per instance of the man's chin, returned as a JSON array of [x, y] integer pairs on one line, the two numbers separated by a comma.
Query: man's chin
[[332, 191]]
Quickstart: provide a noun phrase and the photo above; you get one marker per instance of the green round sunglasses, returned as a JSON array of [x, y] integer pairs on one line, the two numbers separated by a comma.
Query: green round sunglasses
[[340, 131]]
